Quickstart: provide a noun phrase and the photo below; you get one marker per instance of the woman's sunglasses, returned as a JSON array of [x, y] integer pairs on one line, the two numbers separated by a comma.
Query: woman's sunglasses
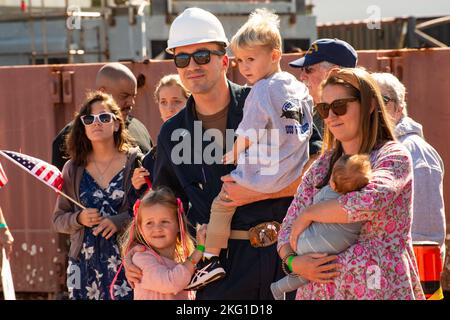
[[203, 56], [339, 107], [105, 117]]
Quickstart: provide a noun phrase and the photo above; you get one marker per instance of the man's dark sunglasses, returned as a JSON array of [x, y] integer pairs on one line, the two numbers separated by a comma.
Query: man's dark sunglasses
[[339, 107], [202, 56]]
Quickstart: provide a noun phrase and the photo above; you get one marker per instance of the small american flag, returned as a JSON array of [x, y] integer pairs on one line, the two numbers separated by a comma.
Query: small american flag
[[3, 178], [42, 170]]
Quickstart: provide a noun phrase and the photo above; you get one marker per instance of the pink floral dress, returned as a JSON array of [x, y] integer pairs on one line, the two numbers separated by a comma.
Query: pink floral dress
[[381, 264]]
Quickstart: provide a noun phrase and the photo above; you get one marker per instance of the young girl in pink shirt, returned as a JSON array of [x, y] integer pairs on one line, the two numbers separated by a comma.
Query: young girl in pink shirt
[[169, 259]]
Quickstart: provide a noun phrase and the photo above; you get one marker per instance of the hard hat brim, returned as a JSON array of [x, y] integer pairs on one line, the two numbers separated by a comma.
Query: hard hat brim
[[174, 45]]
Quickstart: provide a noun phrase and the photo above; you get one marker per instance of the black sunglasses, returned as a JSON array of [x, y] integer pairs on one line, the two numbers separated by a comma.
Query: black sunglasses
[[339, 107], [387, 99], [105, 117], [202, 56]]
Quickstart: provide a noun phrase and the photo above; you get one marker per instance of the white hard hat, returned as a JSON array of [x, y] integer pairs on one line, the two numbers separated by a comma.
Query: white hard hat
[[193, 26]]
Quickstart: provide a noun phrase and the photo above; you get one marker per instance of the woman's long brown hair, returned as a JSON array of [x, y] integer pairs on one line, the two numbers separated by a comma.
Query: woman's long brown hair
[[375, 127], [78, 146]]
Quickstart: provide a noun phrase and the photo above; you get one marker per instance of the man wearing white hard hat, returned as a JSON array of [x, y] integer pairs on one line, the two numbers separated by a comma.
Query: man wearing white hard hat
[[198, 42]]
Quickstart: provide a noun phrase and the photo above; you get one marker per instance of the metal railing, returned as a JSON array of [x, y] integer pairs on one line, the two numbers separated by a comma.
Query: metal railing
[[428, 24]]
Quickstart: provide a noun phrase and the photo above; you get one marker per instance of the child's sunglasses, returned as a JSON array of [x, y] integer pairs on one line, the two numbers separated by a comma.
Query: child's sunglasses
[[105, 117], [338, 106], [202, 56]]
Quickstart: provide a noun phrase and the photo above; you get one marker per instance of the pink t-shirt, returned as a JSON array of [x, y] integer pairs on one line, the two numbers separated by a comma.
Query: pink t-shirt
[[163, 279]]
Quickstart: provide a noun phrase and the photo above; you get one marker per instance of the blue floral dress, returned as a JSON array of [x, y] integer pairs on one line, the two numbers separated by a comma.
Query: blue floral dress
[[99, 258]]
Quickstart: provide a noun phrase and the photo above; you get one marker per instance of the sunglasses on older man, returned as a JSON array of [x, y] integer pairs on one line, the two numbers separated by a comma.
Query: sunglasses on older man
[[105, 117], [201, 57], [338, 106], [387, 99]]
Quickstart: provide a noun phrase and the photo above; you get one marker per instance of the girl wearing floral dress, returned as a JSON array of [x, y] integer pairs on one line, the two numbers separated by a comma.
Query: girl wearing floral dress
[[381, 264], [98, 175]]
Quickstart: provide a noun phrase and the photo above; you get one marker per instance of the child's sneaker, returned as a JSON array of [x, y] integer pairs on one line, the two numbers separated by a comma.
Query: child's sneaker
[[208, 270]]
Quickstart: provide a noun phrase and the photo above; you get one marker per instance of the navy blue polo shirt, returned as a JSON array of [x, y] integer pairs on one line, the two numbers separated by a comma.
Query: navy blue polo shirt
[[200, 183]]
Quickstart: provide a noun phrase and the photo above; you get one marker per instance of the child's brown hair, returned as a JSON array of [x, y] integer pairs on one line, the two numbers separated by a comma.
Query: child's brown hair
[[351, 173]]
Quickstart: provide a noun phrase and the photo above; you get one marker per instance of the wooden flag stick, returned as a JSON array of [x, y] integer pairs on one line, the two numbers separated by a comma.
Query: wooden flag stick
[[69, 198]]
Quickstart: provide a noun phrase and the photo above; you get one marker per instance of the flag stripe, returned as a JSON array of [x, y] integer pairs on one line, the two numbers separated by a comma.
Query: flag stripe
[[46, 174], [37, 170], [3, 178], [51, 177], [42, 170], [58, 183]]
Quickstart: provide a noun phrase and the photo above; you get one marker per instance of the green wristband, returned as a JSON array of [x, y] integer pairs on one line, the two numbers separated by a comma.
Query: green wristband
[[3, 226], [200, 248], [289, 262]]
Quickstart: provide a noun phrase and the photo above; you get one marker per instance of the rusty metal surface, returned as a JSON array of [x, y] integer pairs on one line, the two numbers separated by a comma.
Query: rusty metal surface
[[26, 125], [37, 101], [361, 37]]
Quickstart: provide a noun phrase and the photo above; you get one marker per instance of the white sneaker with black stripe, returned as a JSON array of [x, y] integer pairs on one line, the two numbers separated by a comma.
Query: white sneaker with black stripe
[[208, 270]]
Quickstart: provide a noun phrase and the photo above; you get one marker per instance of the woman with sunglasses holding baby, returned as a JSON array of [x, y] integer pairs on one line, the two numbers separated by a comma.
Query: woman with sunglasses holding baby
[[98, 175], [381, 263]]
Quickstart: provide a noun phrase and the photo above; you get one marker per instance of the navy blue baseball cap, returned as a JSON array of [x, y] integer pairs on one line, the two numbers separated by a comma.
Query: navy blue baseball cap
[[332, 50]]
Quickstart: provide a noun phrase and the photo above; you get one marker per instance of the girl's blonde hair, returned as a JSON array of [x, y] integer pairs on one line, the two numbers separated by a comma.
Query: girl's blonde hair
[[170, 80], [261, 29], [165, 197]]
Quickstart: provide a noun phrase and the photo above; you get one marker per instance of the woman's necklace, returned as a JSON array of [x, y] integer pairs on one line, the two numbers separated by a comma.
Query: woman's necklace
[[101, 174]]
